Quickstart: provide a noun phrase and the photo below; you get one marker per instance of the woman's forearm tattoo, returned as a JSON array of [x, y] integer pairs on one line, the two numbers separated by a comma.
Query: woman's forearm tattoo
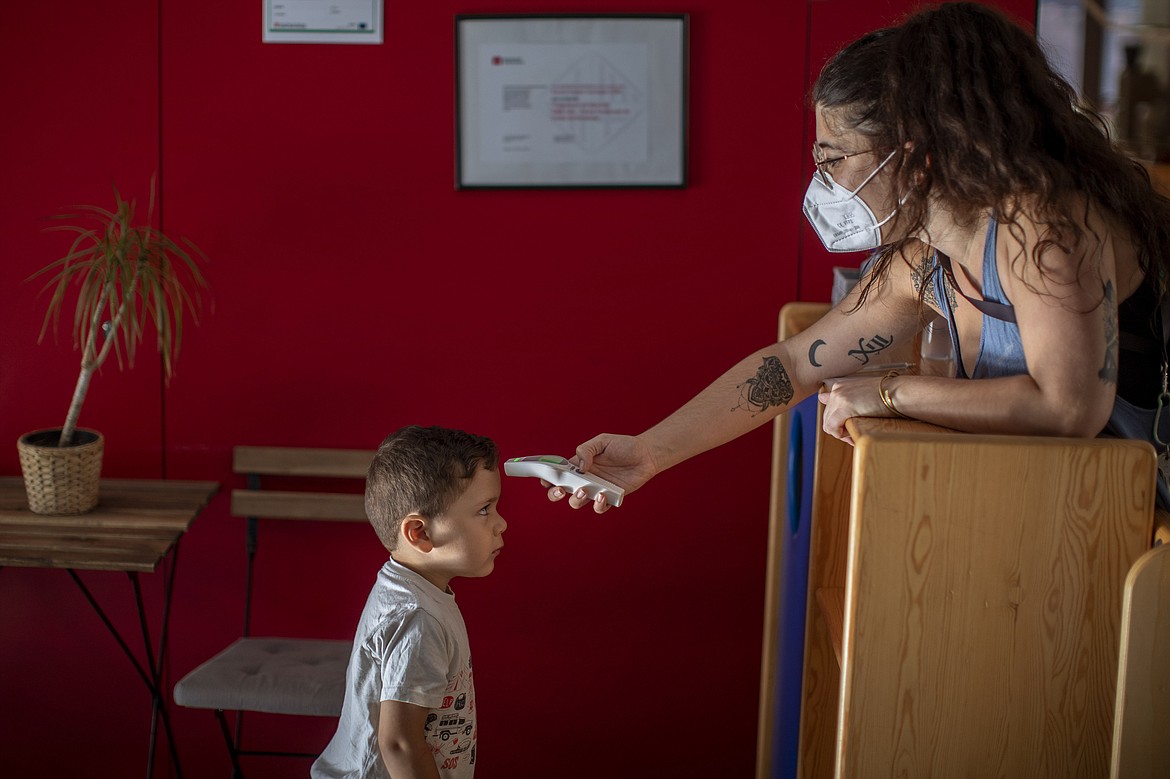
[[769, 387], [1108, 372], [812, 353], [866, 349]]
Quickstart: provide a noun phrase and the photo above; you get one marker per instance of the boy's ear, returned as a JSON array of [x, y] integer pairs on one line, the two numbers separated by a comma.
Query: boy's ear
[[414, 532]]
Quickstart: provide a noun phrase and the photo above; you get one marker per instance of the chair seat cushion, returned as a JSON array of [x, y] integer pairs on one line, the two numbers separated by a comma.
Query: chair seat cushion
[[276, 675]]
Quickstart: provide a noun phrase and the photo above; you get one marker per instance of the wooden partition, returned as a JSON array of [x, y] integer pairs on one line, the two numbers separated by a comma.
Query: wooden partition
[[794, 317], [982, 600], [964, 601]]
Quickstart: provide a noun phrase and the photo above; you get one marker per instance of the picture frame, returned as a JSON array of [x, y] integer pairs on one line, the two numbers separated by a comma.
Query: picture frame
[[569, 100], [340, 21]]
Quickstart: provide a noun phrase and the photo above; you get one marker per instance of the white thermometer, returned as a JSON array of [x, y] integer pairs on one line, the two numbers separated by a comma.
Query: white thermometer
[[562, 473]]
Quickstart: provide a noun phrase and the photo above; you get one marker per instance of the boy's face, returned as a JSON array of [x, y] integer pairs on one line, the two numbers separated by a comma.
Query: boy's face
[[469, 535]]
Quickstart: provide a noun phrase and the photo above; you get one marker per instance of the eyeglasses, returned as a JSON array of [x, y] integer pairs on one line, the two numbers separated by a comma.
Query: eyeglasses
[[822, 164]]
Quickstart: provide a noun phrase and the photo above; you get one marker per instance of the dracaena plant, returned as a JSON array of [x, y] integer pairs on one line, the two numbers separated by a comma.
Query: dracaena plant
[[124, 276]]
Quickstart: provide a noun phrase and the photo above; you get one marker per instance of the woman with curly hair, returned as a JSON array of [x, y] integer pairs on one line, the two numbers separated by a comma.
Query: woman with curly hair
[[994, 201]]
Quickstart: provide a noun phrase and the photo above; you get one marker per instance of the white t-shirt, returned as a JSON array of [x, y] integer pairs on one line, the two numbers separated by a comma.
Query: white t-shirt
[[411, 645]]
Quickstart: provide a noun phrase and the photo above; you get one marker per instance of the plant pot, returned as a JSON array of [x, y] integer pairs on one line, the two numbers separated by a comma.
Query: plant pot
[[61, 480]]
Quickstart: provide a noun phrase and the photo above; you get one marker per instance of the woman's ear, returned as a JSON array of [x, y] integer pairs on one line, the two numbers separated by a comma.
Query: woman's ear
[[414, 533], [920, 176]]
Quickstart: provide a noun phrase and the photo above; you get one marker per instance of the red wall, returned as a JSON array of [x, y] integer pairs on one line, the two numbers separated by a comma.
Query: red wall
[[355, 290]]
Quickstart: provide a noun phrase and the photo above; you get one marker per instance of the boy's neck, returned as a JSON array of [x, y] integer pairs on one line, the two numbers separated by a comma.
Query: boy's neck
[[440, 580]]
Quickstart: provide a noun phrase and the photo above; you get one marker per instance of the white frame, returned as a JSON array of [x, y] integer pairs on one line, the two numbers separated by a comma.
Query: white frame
[[661, 118], [347, 9]]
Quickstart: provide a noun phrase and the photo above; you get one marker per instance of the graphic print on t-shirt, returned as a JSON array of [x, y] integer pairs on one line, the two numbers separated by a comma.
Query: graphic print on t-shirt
[[450, 729]]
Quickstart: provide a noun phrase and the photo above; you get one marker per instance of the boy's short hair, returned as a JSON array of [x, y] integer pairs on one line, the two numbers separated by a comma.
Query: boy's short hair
[[422, 470]]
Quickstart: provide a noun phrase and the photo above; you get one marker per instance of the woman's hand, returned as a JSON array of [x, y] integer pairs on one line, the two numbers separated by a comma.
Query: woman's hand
[[622, 459], [853, 396]]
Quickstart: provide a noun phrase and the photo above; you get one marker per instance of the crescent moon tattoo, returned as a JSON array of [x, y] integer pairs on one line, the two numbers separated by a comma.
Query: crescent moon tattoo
[[812, 354]]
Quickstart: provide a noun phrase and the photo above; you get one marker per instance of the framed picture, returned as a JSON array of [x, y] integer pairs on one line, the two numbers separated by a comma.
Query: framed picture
[[571, 101]]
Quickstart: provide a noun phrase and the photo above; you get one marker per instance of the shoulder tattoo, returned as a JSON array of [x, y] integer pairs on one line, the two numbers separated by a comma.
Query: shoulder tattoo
[[920, 278], [769, 387]]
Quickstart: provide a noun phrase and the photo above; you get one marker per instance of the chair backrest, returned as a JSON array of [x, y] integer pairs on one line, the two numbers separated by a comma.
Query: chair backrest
[[258, 461], [289, 465]]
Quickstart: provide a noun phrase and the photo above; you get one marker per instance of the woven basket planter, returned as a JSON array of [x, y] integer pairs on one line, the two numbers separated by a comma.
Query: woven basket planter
[[61, 480]]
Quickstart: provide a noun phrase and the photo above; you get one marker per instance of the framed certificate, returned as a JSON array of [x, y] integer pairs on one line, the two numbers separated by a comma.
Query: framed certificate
[[571, 101], [323, 21]]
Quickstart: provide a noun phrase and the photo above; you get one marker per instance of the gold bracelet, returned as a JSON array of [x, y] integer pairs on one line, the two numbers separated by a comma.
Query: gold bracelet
[[884, 394]]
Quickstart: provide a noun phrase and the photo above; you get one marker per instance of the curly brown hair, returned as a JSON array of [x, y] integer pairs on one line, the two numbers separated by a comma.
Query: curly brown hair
[[985, 125]]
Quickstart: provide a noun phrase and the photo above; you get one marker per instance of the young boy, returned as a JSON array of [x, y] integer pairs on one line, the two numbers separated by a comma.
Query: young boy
[[409, 709]]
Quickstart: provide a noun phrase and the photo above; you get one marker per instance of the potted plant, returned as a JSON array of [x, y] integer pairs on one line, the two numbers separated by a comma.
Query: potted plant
[[125, 276]]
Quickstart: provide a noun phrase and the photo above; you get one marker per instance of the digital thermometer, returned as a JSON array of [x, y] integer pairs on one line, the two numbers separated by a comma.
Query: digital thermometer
[[562, 473]]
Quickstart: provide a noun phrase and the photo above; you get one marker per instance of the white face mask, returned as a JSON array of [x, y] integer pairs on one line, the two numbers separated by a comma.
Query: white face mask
[[843, 221]]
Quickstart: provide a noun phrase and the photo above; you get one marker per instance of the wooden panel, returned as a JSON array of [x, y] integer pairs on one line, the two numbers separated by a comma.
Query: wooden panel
[[826, 569], [135, 524], [293, 461], [1141, 749], [106, 517], [773, 576], [1161, 527], [794, 317], [275, 504], [983, 614], [49, 549], [50, 533], [797, 317], [126, 502], [831, 601]]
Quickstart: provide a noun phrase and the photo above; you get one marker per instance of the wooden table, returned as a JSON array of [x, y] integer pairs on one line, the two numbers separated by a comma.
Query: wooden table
[[136, 526]]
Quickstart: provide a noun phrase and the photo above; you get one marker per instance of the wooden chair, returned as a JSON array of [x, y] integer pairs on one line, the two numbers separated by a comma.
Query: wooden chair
[[278, 675]]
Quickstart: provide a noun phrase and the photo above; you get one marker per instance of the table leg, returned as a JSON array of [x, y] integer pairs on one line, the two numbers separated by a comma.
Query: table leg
[[151, 675], [159, 708]]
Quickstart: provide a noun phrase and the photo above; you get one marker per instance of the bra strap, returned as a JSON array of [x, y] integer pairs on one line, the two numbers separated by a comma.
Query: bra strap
[[1001, 311]]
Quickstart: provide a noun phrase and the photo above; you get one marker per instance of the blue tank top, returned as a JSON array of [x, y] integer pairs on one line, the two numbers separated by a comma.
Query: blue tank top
[[1001, 353]]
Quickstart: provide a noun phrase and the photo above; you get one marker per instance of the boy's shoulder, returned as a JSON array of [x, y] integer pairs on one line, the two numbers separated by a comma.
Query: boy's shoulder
[[405, 633], [404, 621], [402, 605]]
